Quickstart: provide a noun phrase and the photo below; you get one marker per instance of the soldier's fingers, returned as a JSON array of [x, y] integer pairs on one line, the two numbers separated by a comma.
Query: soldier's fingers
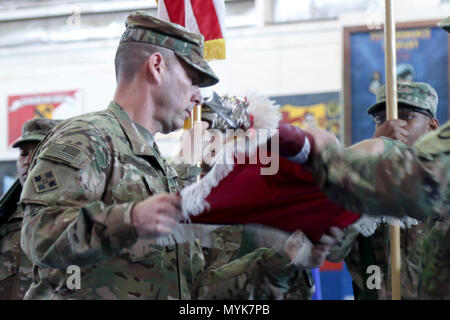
[[400, 137], [319, 258], [326, 239], [168, 222], [403, 132], [337, 233], [320, 254], [322, 248], [398, 122], [173, 199], [167, 197], [168, 209], [161, 223]]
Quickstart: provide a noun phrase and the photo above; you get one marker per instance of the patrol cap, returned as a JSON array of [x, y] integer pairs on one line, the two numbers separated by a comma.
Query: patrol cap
[[35, 130], [445, 24], [405, 69], [416, 94], [187, 45]]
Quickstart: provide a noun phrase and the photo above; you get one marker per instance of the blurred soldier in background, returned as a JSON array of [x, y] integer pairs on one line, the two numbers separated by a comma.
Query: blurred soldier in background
[[416, 116], [384, 177], [15, 269]]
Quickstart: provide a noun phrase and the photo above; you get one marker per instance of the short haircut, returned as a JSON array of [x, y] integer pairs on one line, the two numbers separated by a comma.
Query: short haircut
[[131, 55]]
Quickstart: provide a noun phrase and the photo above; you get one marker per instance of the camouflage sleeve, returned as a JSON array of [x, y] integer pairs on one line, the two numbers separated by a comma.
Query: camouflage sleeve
[[64, 222], [262, 273], [260, 268], [186, 174], [341, 250], [401, 181]]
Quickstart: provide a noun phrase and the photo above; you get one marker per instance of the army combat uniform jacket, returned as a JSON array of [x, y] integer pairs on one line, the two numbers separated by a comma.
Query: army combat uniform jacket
[[15, 267], [84, 180], [413, 181], [360, 252]]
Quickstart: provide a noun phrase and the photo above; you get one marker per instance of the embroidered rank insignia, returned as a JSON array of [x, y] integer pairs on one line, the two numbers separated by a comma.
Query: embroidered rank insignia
[[141, 166], [45, 181]]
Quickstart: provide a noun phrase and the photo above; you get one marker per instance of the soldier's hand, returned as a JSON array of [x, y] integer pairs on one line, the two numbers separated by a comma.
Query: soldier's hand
[[333, 236], [322, 249], [321, 138], [394, 129], [157, 215], [305, 254]]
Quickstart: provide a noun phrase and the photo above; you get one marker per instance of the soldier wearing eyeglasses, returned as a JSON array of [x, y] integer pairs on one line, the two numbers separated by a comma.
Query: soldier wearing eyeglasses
[[417, 105], [384, 177]]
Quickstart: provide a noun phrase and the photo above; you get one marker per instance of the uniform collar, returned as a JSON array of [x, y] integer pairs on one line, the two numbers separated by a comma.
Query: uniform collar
[[142, 141]]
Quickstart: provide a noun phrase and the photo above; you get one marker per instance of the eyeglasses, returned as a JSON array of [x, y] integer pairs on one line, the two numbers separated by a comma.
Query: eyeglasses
[[406, 114]]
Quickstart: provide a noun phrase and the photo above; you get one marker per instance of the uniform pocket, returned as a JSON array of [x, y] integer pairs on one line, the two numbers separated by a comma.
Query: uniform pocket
[[144, 249], [156, 185]]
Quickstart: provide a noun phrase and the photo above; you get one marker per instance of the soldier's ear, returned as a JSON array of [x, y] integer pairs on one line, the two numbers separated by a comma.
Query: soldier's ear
[[155, 67], [433, 124]]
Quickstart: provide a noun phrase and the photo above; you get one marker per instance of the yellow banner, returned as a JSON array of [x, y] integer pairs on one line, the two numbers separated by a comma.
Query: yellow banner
[[306, 116]]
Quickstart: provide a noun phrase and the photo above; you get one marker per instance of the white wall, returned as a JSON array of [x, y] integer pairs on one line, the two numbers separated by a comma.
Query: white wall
[[274, 60], [295, 58], [87, 67]]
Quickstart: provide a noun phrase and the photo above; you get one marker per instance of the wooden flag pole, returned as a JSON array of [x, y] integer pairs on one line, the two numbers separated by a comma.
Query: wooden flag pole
[[197, 117], [189, 123], [391, 113]]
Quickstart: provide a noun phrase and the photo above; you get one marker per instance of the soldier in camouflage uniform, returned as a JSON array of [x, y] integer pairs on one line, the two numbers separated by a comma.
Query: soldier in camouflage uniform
[[241, 265], [397, 180], [228, 276], [15, 268], [100, 196], [228, 243], [416, 116]]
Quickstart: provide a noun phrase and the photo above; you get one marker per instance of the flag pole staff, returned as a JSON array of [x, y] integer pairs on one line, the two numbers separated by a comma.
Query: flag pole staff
[[391, 113], [197, 117]]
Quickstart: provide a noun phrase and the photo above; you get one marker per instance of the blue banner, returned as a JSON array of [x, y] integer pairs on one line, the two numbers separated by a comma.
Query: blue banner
[[422, 56]]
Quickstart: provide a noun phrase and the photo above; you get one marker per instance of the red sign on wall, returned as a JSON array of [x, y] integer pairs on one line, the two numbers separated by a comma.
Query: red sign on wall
[[53, 105]]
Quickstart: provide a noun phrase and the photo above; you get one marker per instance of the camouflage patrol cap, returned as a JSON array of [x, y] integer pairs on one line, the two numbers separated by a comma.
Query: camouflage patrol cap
[[404, 70], [445, 24], [416, 94], [35, 130], [187, 45]]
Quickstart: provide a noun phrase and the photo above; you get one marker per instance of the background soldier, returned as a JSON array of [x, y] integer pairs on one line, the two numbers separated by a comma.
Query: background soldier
[[15, 269], [416, 116], [99, 190], [397, 180]]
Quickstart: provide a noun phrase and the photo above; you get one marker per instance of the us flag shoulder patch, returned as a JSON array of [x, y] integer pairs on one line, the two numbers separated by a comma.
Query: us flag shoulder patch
[[63, 152], [45, 181]]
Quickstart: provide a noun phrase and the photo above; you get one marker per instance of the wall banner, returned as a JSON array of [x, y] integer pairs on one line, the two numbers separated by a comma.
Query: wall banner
[[321, 110], [52, 105], [422, 56]]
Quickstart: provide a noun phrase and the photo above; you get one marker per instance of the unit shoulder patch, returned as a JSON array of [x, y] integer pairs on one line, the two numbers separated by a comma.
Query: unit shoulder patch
[[45, 181]]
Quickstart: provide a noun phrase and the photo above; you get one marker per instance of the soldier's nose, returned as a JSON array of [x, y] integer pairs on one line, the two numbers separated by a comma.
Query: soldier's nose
[[197, 96]]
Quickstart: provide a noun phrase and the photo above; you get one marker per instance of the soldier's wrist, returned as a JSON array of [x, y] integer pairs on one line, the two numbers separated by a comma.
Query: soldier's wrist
[[121, 231]]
